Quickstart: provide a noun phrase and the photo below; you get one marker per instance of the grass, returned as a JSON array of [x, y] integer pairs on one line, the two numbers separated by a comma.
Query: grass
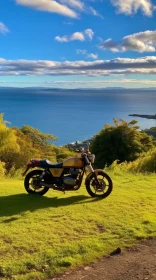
[[41, 236]]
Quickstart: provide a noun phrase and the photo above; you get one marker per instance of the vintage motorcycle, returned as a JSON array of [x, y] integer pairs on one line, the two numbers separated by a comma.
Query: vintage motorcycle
[[67, 176]]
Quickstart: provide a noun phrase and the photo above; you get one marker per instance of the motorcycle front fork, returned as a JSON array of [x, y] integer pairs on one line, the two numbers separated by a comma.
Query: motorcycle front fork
[[91, 169]]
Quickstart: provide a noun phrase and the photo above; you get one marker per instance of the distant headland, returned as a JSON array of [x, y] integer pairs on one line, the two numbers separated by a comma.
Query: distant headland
[[151, 117]]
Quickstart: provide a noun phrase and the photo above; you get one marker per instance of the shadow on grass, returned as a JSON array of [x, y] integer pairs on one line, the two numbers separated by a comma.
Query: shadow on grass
[[15, 204]]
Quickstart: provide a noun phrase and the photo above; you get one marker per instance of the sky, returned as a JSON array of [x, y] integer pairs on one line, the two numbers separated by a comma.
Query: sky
[[78, 43]]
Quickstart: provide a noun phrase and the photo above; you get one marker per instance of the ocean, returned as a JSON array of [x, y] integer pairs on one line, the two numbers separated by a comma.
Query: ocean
[[75, 115]]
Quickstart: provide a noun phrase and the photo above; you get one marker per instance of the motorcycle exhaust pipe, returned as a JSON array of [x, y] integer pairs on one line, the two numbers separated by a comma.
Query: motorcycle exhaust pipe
[[46, 185], [51, 186]]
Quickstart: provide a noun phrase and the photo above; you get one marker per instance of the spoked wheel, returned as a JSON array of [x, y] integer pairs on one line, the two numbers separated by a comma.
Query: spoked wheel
[[32, 183], [101, 189]]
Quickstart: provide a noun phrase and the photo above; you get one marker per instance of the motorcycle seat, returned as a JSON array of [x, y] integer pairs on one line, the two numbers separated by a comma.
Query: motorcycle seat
[[48, 164]]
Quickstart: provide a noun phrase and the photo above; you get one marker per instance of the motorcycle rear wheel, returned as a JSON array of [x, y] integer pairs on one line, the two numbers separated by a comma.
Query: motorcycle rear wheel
[[105, 185], [31, 183]]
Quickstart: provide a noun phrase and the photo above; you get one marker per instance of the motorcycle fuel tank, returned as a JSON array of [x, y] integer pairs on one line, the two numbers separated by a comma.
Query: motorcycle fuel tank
[[75, 162]]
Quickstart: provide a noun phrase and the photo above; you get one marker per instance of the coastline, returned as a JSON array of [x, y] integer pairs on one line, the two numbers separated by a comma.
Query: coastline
[[151, 117]]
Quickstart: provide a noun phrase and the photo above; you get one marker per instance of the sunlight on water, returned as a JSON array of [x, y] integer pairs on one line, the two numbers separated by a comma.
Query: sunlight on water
[[74, 114]]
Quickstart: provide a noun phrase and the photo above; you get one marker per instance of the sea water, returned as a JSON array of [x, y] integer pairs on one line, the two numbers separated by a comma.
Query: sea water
[[74, 115]]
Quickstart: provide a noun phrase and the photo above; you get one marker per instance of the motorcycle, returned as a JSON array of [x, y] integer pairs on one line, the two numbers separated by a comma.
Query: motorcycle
[[67, 176]]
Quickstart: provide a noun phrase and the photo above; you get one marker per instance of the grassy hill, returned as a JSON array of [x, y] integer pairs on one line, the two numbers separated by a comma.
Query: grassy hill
[[40, 236]]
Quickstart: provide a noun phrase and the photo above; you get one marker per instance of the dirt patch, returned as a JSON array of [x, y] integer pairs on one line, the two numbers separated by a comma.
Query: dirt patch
[[137, 263]]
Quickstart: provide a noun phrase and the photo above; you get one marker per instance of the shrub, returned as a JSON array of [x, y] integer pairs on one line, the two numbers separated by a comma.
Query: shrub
[[123, 141], [2, 169]]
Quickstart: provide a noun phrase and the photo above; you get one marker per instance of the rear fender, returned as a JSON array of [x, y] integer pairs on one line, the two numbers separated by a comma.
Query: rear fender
[[31, 164]]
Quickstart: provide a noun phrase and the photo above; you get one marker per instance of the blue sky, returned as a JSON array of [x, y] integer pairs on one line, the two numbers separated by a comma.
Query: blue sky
[[75, 43]]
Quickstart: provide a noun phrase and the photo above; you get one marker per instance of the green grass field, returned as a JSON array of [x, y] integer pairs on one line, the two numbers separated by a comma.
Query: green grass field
[[41, 236]]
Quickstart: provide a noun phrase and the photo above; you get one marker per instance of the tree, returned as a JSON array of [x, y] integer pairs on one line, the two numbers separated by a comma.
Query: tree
[[9, 147], [151, 131], [38, 138], [42, 142], [27, 151], [123, 142]]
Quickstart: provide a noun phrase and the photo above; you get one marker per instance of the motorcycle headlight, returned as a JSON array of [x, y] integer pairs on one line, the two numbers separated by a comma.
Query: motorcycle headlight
[[91, 158]]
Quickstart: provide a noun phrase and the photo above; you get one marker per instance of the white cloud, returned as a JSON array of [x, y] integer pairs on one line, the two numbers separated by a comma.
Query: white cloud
[[140, 42], [3, 28], [73, 3], [97, 68], [75, 36], [94, 12], [92, 55], [129, 7], [70, 8], [80, 36], [49, 6], [89, 33], [84, 52], [110, 45]]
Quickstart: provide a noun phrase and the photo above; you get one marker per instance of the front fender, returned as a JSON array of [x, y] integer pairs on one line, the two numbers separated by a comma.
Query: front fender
[[91, 174]]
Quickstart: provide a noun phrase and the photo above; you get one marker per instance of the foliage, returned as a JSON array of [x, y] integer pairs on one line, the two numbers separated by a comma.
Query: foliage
[[38, 138], [2, 169], [18, 146], [151, 131], [63, 153], [27, 151], [9, 147], [123, 142], [120, 142], [145, 163], [41, 236]]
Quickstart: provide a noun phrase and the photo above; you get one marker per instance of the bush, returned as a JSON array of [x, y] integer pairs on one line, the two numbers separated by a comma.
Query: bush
[[123, 142], [2, 169], [145, 163]]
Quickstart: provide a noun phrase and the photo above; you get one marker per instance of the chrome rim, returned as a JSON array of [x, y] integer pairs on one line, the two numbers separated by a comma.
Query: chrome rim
[[34, 184], [102, 187]]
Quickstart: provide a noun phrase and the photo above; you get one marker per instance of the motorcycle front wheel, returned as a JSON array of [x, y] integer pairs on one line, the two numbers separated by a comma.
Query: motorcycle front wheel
[[104, 186], [32, 183]]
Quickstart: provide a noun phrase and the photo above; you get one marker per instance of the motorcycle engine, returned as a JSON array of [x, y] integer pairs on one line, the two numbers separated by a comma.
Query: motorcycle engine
[[71, 179]]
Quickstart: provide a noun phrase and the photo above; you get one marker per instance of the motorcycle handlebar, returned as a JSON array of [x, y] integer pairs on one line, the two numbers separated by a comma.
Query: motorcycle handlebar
[[83, 148]]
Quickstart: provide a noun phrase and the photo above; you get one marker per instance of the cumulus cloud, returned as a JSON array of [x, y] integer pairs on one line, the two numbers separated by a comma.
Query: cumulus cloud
[[140, 42], [118, 66], [80, 36], [129, 7], [75, 36], [3, 28]]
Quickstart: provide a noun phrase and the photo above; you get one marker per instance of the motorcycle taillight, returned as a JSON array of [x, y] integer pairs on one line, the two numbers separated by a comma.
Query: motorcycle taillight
[[34, 162]]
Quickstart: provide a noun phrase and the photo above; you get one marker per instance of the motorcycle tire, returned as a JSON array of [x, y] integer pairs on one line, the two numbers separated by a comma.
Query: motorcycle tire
[[106, 184], [29, 188]]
